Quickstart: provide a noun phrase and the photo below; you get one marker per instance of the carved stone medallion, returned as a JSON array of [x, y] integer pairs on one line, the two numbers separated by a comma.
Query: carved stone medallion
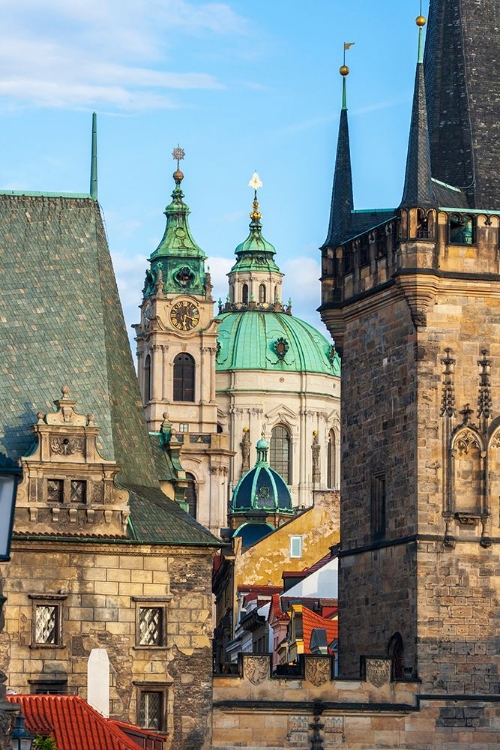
[[256, 669], [378, 671], [318, 671]]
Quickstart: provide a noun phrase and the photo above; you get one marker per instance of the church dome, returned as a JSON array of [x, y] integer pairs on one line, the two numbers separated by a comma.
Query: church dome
[[257, 340], [261, 489]]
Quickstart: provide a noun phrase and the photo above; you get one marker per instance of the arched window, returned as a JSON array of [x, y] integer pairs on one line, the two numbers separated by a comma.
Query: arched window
[[330, 469], [190, 496], [396, 653], [147, 379], [461, 228], [244, 297], [280, 454], [184, 377], [262, 293], [276, 293]]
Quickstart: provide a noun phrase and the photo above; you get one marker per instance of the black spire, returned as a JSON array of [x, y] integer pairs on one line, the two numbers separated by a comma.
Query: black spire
[[418, 190], [342, 197], [462, 70]]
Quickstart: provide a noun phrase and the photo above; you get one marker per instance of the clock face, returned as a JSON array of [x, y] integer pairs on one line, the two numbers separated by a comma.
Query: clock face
[[184, 315]]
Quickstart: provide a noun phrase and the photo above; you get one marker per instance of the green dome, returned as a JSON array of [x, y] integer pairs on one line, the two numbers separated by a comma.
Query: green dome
[[261, 489], [254, 340]]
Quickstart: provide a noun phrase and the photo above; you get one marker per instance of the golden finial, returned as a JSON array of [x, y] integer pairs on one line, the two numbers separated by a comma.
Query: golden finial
[[421, 21], [255, 183], [178, 154], [344, 71]]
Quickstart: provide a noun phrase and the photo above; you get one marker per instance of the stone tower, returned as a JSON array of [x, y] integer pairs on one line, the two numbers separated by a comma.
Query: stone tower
[[412, 299], [176, 348]]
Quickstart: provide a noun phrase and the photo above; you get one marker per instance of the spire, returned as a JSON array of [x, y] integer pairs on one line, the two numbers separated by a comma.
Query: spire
[[255, 253], [462, 71], [178, 263], [177, 239], [418, 190], [93, 159], [342, 197]]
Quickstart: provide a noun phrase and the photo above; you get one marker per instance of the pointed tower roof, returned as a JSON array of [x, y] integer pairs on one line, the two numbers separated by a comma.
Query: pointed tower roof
[[177, 238], [462, 71], [255, 253], [93, 159], [418, 188], [342, 203], [178, 263]]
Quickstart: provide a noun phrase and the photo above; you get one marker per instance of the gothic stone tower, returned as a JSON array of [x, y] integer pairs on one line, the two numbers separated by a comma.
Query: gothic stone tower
[[412, 299], [176, 348]]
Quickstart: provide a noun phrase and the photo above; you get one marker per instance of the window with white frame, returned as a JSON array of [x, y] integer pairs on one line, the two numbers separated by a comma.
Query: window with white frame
[[295, 546]]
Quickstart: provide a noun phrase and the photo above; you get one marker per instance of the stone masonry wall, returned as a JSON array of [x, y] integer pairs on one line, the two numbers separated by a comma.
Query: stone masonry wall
[[378, 408], [99, 584]]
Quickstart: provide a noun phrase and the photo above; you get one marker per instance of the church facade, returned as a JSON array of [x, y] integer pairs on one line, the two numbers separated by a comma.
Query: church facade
[[224, 380]]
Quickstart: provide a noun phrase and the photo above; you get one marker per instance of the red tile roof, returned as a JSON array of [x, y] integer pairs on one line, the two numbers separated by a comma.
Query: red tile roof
[[311, 621], [275, 611], [72, 723]]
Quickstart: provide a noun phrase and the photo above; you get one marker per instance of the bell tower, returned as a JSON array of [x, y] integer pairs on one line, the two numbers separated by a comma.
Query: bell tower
[[412, 299], [176, 349]]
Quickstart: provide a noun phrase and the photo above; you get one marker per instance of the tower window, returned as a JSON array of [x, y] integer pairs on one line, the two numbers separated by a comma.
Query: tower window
[[147, 379], [330, 473], [78, 491], [262, 293], [244, 296], [378, 510], [151, 626], [151, 709], [184, 369], [55, 490], [461, 228], [280, 455]]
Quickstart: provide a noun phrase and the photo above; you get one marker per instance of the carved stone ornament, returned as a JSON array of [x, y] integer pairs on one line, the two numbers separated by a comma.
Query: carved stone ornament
[[378, 671], [318, 671], [281, 346], [256, 669], [465, 441], [65, 413], [66, 446]]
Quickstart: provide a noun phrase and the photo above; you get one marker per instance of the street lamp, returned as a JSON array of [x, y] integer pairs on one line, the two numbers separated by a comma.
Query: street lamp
[[9, 478], [20, 737]]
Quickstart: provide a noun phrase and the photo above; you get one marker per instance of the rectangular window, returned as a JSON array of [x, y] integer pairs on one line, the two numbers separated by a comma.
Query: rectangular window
[[151, 709], [151, 630], [378, 510], [47, 624], [183, 427], [78, 492], [55, 490], [295, 546]]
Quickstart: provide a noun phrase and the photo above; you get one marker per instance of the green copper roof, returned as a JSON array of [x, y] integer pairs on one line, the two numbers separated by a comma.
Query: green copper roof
[[61, 324], [177, 238], [254, 340], [177, 264], [255, 253], [261, 488]]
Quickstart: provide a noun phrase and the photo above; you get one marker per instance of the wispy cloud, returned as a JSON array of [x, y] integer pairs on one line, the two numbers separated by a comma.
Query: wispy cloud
[[105, 53]]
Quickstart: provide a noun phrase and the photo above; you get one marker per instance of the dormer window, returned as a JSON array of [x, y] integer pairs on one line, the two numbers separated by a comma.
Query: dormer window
[[461, 229]]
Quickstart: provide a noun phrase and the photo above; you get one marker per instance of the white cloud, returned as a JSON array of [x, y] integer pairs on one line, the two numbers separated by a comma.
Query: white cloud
[[301, 279], [86, 52]]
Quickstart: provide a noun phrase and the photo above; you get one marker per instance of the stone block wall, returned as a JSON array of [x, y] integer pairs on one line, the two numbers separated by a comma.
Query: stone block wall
[[99, 588]]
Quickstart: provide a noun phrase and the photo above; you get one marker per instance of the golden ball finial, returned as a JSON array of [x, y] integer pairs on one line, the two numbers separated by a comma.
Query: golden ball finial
[[344, 71], [420, 21], [178, 175]]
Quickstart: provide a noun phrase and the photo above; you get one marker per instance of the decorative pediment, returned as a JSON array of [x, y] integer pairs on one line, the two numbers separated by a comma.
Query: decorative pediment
[[281, 413], [66, 483]]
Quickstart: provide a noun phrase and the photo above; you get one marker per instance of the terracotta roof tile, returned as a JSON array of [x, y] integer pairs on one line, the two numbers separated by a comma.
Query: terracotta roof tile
[[311, 621], [71, 722]]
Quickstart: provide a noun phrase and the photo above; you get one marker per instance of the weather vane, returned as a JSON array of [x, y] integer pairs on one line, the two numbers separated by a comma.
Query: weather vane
[[255, 182], [178, 154]]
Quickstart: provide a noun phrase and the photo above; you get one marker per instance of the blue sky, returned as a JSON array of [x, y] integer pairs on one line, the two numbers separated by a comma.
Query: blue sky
[[241, 86]]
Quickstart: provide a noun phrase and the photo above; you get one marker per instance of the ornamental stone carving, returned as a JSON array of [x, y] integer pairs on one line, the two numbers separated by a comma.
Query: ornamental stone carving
[[378, 671], [66, 446], [318, 671], [256, 669]]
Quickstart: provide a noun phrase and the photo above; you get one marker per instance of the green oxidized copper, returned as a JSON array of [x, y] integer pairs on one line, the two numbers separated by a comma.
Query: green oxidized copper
[[178, 263], [254, 340], [255, 253]]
